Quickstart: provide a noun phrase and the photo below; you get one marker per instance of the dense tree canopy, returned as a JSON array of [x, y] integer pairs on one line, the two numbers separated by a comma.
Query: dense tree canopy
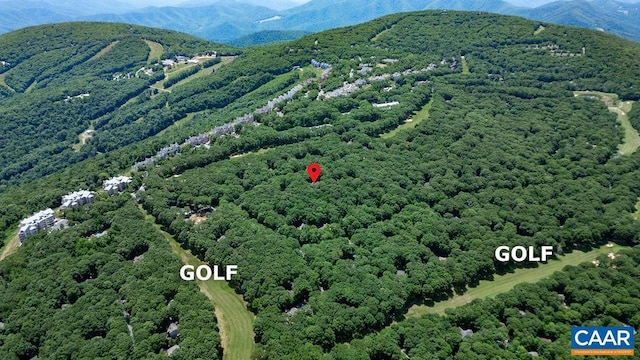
[[75, 294], [498, 151]]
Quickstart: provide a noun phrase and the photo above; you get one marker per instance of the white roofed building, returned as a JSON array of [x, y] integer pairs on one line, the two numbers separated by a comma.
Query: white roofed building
[[116, 184], [35, 223], [76, 199]]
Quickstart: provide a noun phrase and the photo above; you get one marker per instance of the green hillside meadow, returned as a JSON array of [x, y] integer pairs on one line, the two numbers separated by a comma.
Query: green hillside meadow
[[441, 136]]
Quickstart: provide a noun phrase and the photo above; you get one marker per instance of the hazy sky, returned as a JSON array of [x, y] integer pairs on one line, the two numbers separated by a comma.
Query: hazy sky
[[177, 2]]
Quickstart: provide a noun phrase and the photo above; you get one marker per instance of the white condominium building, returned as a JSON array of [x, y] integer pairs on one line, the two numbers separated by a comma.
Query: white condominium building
[[116, 184], [35, 223], [76, 199]]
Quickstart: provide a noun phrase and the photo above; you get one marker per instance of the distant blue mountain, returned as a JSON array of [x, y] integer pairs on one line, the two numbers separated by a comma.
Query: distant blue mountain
[[223, 21], [16, 14], [229, 21], [620, 18]]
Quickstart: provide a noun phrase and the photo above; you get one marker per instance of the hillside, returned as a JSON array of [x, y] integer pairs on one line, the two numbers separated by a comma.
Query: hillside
[[441, 136], [58, 81], [612, 16], [268, 36]]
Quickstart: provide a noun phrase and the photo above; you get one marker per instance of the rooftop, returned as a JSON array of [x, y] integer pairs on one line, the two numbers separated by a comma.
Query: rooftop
[[37, 217]]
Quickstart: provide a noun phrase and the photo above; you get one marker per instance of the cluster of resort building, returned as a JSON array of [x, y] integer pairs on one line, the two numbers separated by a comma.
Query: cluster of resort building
[[81, 96], [163, 153], [320, 65], [179, 59], [349, 88], [454, 63], [46, 219], [228, 128], [326, 69], [271, 104], [554, 50]]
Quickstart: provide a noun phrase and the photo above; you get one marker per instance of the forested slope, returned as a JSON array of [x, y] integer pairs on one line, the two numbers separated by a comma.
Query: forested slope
[[531, 321], [59, 80], [507, 156], [105, 288]]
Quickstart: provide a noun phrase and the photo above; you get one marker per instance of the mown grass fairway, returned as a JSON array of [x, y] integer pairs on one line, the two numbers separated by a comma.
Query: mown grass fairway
[[155, 51], [375, 38], [503, 283], [105, 50], [204, 72], [631, 140], [420, 116], [465, 66], [2, 83], [11, 246], [235, 322]]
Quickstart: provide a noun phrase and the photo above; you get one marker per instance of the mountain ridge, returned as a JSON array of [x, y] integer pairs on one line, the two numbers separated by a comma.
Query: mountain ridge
[[230, 20]]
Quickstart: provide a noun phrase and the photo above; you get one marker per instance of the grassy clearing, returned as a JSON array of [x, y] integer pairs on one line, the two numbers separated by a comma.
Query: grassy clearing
[[234, 320], [180, 122], [539, 30], [204, 72], [155, 53], [176, 69], [2, 83], [105, 50], [201, 73], [82, 138], [636, 215], [420, 116], [130, 101], [261, 151], [11, 246], [631, 140], [159, 88], [465, 66], [31, 87], [375, 38], [503, 283]]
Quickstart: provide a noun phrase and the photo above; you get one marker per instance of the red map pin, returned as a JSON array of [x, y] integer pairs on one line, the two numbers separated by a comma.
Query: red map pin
[[314, 171]]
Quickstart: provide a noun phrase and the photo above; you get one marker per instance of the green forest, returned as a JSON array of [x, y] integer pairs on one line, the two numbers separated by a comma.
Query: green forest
[[111, 296], [441, 135]]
